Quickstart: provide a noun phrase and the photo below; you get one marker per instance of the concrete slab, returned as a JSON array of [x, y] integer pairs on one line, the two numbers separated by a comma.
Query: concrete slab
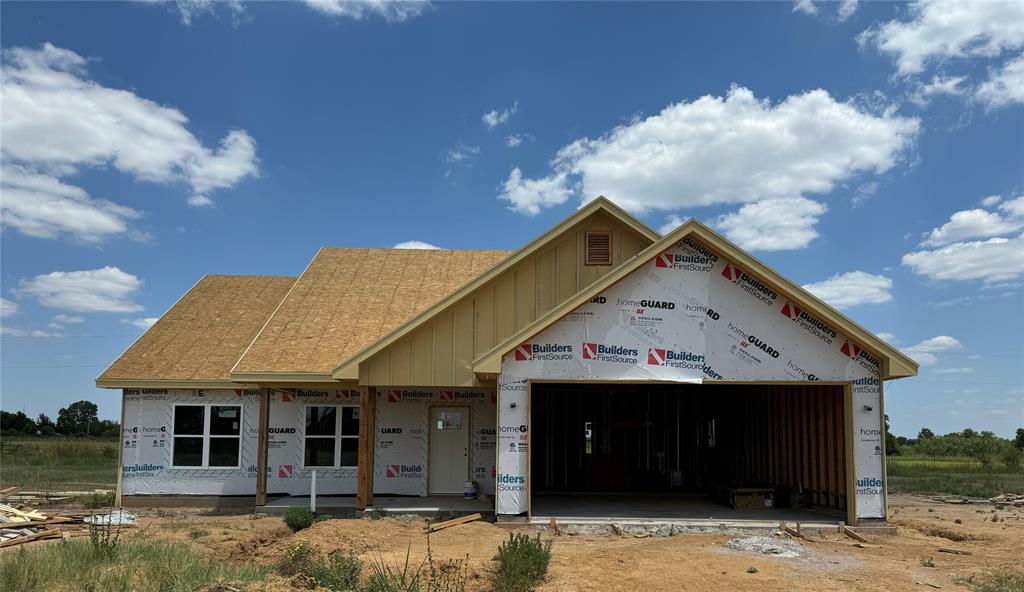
[[430, 505]]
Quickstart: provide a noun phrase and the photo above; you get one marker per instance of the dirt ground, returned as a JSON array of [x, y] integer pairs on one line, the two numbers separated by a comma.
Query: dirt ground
[[698, 561]]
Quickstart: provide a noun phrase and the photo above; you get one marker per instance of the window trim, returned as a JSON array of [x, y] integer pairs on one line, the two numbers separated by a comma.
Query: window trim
[[338, 436], [206, 436]]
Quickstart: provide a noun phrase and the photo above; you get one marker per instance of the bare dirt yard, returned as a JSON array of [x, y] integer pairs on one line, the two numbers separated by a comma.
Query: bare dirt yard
[[936, 545]]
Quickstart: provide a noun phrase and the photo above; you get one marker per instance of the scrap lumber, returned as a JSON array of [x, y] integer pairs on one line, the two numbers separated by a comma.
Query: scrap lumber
[[794, 532], [853, 535], [6, 491], [554, 526], [955, 551], [453, 522]]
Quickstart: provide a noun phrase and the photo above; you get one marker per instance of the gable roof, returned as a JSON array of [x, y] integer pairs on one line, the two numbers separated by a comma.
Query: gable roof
[[345, 300], [349, 368], [197, 341], [895, 364]]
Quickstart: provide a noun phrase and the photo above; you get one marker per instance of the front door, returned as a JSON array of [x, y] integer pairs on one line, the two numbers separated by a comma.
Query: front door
[[449, 449]]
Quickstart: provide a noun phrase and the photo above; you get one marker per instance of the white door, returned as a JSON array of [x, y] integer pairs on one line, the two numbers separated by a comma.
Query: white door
[[449, 449]]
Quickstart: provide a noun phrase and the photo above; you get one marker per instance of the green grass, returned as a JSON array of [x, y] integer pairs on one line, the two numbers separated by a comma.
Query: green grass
[[951, 475], [997, 581], [75, 566], [59, 464]]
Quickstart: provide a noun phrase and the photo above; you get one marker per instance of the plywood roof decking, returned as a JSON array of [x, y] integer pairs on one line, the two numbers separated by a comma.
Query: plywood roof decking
[[202, 336], [349, 298]]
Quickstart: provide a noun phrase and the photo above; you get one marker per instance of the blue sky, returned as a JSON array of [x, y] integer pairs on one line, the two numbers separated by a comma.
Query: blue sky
[[863, 150]]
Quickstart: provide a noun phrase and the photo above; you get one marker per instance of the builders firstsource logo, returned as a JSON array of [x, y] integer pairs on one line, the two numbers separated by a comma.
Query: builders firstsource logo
[[749, 284], [403, 471], [507, 482], [869, 486], [855, 352], [543, 351], [675, 359], [462, 396], [401, 395], [810, 324], [683, 262], [610, 353]]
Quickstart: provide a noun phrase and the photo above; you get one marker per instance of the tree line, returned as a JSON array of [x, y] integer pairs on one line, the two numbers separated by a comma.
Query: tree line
[[984, 447], [77, 419]]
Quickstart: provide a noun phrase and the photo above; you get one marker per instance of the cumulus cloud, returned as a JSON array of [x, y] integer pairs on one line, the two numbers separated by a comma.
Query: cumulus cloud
[[727, 150], [773, 224], [43, 206], [200, 201], [496, 117], [16, 332], [938, 30], [1014, 207], [991, 200], [805, 6], [924, 352], [392, 11], [886, 336], [940, 85], [1004, 87], [968, 224], [670, 224], [415, 244], [844, 290], [528, 196], [847, 8], [7, 308], [107, 289], [189, 10], [516, 140], [142, 323], [810, 7], [56, 121]]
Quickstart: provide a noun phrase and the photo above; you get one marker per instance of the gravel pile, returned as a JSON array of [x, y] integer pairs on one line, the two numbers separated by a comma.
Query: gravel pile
[[766, 545]]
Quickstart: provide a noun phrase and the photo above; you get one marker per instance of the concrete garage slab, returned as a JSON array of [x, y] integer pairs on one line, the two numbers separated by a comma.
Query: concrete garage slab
[[430, 505], [681, 510]]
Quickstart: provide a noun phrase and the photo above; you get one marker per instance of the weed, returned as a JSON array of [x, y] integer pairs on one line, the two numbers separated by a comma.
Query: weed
[[296, 557], [995, 518], [958, 521], [104, 538], [377, 514], [397, 578], [751, 569], [197, 533], [928, 562], [300, 518], [997, 581], [449, 575], [522, 563], [335, 572]]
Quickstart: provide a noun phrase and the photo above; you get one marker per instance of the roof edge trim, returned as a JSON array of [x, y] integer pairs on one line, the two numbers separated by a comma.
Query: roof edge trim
[[115, 383]]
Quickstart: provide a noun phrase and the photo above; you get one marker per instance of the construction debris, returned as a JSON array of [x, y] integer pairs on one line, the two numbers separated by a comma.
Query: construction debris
[[766, 546], [853, 535], [23, 525], [453, 522], [119, 517], [1014, 499]]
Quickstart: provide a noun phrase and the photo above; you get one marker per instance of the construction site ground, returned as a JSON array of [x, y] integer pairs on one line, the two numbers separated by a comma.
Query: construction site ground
[[935, 544]]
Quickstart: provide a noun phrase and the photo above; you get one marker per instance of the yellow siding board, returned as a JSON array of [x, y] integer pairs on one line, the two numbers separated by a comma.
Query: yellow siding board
[[505, 305], [444, 370], [380, 368], [567, 269], [547, 281], [526, 293], [423, 356], [401, 362], [484, 338], [463, 343]]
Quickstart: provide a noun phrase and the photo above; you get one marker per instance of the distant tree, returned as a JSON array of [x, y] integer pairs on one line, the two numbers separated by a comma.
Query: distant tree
[[968, 433], [45, 426], [925, 434], [77, 419], [106, 428], [16, 424], [892, 447], [1019, 440]]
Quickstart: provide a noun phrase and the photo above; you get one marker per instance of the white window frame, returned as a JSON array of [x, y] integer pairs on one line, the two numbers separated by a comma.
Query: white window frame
[[206, 435], [338, 436]]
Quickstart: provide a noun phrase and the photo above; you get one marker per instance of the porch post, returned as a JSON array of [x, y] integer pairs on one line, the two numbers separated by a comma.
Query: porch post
[[120, 457], [261, 449], [367, 420]]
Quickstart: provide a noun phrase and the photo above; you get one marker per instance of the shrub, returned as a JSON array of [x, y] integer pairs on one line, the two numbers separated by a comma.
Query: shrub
[[397, 578], [336, 572], [997, 581], [522, 563], [300, 518], [377, 514]]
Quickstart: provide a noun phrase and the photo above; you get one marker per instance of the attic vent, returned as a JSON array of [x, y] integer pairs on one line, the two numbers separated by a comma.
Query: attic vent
[[599, 248]]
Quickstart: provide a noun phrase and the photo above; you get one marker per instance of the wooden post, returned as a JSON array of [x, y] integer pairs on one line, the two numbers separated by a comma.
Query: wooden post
[[261, 448], [120, 456], [367, 417]]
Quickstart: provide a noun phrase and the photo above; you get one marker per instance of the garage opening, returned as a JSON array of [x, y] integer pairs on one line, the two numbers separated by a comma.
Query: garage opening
[[760, 451]]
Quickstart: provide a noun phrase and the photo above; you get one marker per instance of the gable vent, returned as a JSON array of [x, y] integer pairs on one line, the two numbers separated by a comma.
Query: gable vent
[[599, 248]]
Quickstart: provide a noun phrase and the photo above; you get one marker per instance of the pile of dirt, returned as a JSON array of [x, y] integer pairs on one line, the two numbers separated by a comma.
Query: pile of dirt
[[766, 545]]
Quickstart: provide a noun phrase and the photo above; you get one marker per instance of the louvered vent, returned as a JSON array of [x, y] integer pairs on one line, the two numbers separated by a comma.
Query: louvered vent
[[599, 248]]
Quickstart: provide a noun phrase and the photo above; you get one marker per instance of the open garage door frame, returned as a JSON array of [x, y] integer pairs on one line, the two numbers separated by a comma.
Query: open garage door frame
[[847, 423]]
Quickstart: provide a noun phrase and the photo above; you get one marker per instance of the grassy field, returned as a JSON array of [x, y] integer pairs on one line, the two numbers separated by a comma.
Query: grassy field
[[951, 475], [58, 463]]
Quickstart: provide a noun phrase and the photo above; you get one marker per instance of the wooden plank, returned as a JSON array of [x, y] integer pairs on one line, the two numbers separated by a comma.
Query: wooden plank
[[830, 461], [453, 522], [261, 447], [367, 442], [853, 535]]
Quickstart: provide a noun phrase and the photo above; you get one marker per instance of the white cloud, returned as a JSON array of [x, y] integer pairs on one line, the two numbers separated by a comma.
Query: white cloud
[[847, 8], [190, 10], [515, 140], [886, 336], [496, 117], [392, 11], [200, 201], [991, 200], [805, 6], [962, 370], [460, 155], [993, 260], [732, 149], [1014, 207], [14, 332], [671, 224], [943, 29], [415, 244], [43, 206], [107, 289], [528, 196], [773, 224], [1004, 87], [8, 308], [968, 224], [940, 85], [56, 121], [844, 290], [924, 352], [142, 323], [68, 319]]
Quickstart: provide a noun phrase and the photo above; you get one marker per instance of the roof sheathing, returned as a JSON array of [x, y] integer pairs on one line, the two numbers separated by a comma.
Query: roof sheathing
[[347, 299], [199, 338]]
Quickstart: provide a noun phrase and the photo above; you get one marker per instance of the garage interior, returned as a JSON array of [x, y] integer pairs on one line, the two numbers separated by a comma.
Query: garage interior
[[688, 451]]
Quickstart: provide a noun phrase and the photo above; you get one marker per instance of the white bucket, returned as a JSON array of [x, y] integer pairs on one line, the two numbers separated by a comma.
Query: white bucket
[[471, 491]]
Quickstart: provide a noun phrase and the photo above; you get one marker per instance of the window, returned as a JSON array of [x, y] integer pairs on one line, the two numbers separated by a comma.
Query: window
[[449, 420], [207, 436], [332, 436], [598, 248]]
